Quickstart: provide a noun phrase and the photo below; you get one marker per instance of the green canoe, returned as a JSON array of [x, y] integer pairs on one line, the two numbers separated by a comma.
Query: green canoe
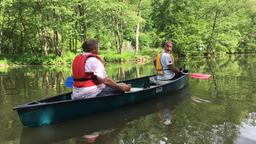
[[62, 108], [115, 119]]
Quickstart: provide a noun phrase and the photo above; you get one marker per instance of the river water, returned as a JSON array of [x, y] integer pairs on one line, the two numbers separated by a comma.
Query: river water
[[219, 110]]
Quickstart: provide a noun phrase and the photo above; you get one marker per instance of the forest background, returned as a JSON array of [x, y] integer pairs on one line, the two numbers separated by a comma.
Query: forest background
[[50, 32]]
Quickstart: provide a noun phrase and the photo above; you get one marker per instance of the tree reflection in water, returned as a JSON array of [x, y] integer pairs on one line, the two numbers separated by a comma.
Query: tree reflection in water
[[214, 111]]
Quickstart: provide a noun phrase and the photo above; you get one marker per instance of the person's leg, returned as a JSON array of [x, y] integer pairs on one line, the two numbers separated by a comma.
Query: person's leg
[[107, 91], [177, 75]]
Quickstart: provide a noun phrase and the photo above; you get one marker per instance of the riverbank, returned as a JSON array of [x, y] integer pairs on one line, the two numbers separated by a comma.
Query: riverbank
[[108, 56]]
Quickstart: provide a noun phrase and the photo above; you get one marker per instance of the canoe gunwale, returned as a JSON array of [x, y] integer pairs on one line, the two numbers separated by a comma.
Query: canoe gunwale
[[39, 104], [29, 105]]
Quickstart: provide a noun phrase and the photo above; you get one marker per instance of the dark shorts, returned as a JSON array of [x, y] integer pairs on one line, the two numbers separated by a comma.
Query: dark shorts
[[108, 91], [177, 75]]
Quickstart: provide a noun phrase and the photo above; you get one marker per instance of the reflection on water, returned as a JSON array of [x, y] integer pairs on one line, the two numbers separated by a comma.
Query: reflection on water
[[247, 130], [219, 110], [105, 124]]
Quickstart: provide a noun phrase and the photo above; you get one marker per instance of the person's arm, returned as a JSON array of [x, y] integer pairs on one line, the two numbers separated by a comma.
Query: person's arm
[[99, 70], [173, 68], [111, 83]]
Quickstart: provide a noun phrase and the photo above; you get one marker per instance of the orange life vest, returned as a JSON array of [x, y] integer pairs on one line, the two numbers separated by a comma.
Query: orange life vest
[[159, 66], [82, 78]]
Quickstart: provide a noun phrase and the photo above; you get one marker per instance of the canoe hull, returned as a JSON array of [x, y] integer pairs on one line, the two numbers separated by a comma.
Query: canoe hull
[[62, 108]]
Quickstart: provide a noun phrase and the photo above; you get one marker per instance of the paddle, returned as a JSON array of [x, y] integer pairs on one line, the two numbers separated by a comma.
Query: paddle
[[199, 76], [69, 82]]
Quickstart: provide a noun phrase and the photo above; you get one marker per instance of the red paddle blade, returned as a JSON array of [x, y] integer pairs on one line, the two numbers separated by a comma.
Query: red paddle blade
[[200, 76]]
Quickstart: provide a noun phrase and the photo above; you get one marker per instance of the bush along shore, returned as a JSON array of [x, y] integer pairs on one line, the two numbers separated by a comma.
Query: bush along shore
[[51, 32], [142, 57], [66, 59]]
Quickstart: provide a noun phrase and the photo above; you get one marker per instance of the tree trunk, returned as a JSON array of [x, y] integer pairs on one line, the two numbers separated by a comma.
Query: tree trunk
[[56, 41], [45, 41], [42, 31], [118, 49], [62, 50], [1, 30], [138, 26], [20, 46], [45, 48], [120, 42], [210, 41], [75, 43], [82, 23], [1, 40], [70, 44], [118, 34]]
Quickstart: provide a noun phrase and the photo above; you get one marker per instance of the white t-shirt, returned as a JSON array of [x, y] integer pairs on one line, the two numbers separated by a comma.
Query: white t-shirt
[[92, 65], [165, 61]]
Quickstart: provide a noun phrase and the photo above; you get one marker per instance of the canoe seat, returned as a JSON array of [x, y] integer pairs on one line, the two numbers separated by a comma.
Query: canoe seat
[[134, 89], [158, 82]]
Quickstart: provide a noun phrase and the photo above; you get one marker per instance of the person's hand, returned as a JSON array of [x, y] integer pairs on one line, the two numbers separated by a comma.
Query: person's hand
[[125, 87]]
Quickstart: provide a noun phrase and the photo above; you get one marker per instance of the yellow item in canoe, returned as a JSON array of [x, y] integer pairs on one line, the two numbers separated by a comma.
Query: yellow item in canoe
[[159, 67]]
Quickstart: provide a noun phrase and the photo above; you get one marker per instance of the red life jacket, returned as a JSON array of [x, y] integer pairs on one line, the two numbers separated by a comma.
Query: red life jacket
[[82, 78]]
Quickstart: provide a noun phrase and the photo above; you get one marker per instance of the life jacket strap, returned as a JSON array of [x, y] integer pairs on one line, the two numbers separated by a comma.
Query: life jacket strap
[[163, 69], [93, 77], [85, 79]]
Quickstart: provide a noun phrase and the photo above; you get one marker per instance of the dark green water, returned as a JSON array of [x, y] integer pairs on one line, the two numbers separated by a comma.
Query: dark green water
[[219, 110]]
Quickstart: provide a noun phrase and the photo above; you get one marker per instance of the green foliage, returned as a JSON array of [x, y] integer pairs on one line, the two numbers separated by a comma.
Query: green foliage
[[4, 62], [151, 51], [204, 26], [36, 59], [110, 56], [47, 32]]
